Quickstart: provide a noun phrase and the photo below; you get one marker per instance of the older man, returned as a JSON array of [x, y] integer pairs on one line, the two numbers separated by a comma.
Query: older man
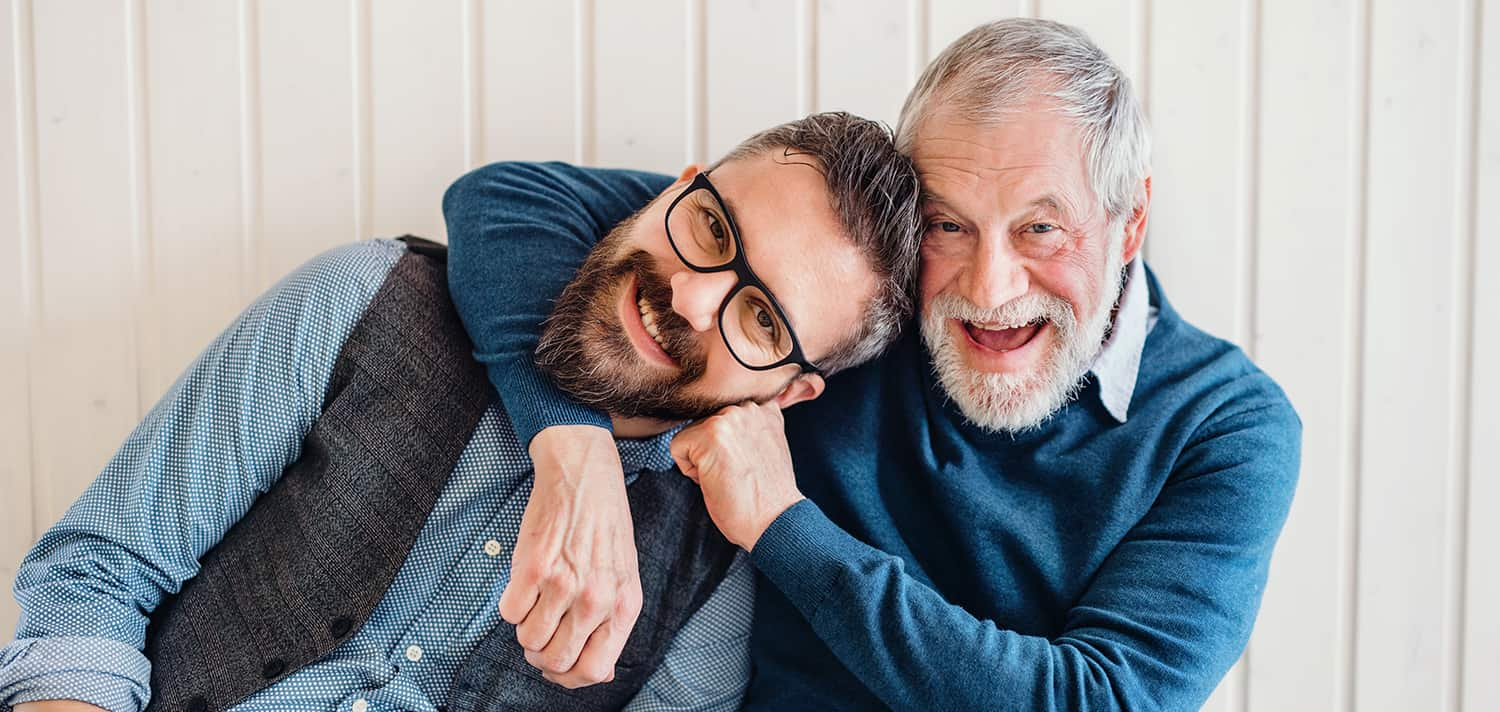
[[1055, 494], [318, 515]]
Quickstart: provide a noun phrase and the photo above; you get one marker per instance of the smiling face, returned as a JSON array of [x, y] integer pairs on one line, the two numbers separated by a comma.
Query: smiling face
[[1020, 263], [636, 333]]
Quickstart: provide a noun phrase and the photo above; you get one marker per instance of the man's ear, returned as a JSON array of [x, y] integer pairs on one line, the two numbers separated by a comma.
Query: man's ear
[[1135, 225], [689, 172], [804, 387]]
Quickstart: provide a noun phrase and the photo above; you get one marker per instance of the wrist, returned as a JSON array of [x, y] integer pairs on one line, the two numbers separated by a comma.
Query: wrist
[[765, 523], [573, 452]]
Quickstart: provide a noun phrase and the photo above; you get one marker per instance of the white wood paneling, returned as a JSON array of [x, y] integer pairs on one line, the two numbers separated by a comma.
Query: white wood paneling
[[529, 80], [84, 398], [16, 526], [1481, 636], [1309, 206], [415, 116], [641, 100], [1200, 219], [1412, 232], [191, 76], [306, 110], [746, 90], [861, 46]]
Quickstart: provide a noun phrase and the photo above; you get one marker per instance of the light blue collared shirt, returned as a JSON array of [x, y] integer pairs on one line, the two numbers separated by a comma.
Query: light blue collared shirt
[[1119, 362], [221, 437]]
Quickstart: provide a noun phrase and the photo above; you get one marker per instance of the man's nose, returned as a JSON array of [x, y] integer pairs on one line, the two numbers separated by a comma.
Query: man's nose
[[696, 296], [997, 274]]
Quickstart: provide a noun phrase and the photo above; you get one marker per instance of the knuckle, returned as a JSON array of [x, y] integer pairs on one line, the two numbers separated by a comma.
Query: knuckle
[[557, 580], [593, 601], [530, 639], [556, 662]]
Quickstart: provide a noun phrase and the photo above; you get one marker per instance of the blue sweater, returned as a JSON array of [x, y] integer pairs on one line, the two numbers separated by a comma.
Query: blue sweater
[[1090, 564]]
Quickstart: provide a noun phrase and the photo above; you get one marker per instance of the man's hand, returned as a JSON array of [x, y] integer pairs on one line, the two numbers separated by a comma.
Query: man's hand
[[57, 706], [740, 459], [575, 587]]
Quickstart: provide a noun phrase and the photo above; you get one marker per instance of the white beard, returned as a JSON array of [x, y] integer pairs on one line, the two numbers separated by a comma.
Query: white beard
[[1016, 402]]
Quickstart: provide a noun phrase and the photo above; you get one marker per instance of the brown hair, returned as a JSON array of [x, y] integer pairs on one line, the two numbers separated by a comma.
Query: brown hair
[[876, 195]]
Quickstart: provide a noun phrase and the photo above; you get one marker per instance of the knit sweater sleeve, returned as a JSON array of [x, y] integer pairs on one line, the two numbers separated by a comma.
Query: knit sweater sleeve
[[1163, 620], [517, 232]]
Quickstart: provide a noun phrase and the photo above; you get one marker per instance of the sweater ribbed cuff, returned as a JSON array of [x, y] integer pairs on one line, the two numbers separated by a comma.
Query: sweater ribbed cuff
[[804, 554], [534, 404]]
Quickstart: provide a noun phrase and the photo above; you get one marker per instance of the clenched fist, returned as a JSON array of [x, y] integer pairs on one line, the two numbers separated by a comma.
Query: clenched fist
[[739, 457]]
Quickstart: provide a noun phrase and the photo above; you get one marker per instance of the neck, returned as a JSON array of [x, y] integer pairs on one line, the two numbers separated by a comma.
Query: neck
[[639, 427]]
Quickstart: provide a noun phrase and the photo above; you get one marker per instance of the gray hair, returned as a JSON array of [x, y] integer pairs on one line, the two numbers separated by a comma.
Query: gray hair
[[993, 68], [875, 193]]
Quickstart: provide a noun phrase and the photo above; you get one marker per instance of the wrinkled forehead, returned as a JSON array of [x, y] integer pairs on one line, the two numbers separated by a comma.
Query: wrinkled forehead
[[796, 244], [1021, 154]]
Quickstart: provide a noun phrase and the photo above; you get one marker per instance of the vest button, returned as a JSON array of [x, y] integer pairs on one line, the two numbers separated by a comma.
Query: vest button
[[273, 668], [197, 704], [340, 627]]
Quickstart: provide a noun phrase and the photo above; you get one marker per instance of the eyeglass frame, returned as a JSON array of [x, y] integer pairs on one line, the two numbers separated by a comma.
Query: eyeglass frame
[[746, 277]]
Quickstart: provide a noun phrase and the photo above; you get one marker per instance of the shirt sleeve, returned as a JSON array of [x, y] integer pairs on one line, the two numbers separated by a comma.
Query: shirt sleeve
[[707, 666], [1164, 618], [218, 439], [517, 233]]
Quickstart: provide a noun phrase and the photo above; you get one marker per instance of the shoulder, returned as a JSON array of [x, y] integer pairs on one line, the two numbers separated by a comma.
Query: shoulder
[[342, 279]]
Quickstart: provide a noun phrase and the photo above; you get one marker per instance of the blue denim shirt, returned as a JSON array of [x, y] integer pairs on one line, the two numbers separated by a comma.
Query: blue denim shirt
[[221, 437]]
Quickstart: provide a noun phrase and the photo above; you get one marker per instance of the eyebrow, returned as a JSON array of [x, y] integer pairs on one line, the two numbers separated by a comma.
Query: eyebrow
[[739, 229]]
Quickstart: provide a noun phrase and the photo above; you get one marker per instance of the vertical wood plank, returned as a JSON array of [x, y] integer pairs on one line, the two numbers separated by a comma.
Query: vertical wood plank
[[1199, 220], [84, 398], [307, 134], [16, 526], [640, 92], [749, 90], [192, 71], [861, 57], [417, 99], [1416, 84], [1201, 212], [529, 81], [1308, 223], [1481, 635]]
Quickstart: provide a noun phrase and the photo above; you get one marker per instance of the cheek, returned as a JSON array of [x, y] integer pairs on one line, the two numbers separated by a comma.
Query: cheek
[[940, 268], [1074, 276]]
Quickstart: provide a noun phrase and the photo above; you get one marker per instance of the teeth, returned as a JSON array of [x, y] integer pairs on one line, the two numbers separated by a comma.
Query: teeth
[[649, 320], [987, 327]]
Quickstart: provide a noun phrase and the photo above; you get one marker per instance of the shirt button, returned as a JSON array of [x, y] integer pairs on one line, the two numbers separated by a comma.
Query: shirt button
[[413, 653], [360, 705], [492, 548]]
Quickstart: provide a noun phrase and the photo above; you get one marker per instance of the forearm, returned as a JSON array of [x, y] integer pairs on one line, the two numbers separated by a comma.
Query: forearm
[[221, 435]]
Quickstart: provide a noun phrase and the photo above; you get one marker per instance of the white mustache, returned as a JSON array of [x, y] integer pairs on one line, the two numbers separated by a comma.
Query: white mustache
[[1021, 310]]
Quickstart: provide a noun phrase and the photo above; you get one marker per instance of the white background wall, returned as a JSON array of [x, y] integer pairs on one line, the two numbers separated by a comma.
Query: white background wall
[[1327, 195]]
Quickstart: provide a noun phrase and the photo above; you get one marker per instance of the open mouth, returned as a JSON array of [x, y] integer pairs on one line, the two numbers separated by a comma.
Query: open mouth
[[1002, 338], [641, 325]]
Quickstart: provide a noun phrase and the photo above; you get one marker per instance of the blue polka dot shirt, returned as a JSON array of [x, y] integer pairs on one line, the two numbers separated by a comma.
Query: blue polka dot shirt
[[221, 437]]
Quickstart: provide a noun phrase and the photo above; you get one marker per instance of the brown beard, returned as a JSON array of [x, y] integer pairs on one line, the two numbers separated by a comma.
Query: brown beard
[[585, 351]]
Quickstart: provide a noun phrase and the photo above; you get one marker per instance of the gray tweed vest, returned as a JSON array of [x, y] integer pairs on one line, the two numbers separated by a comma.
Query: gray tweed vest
[[305, 567]]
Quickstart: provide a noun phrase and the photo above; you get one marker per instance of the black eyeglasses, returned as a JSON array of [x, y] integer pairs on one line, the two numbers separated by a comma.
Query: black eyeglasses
[[705, 238]]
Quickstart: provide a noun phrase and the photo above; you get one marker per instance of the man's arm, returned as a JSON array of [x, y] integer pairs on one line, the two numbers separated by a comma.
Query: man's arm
[[517, 233], [219, 438], [1165, 616]]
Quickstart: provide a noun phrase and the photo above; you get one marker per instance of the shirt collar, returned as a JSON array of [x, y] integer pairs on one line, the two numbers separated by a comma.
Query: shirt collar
[[653, 453], [1119, 363]]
